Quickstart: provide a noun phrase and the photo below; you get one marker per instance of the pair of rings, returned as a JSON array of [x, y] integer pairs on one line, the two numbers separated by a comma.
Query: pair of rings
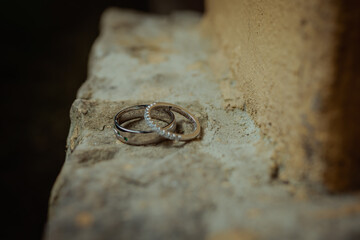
[[156, 115]]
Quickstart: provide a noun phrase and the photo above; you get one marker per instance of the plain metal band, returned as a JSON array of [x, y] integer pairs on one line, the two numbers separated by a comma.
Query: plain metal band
[[149, 115], [139, 137]]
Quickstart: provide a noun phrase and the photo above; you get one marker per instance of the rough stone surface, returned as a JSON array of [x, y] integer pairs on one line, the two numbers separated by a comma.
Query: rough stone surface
[[219, 186], [296, 63]]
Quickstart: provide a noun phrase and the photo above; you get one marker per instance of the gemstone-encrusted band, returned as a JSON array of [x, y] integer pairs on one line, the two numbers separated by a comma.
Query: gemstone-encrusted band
[[138, 137], [148, 114]]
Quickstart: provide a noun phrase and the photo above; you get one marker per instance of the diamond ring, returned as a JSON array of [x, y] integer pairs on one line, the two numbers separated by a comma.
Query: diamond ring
[[149, 116], [140, 137]]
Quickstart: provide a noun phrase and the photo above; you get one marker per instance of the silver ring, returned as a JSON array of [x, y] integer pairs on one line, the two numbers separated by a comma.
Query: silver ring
[[148, 115], [138, 137]]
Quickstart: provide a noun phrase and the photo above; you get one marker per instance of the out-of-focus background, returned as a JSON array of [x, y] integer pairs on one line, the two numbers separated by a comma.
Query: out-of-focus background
[[46, 46]]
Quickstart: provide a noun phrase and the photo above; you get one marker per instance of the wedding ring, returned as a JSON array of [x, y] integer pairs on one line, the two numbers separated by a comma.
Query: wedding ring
[[149, 115], [138, 137]]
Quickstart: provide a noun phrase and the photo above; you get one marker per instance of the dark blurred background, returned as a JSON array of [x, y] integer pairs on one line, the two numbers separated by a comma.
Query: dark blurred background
[[46, 46]]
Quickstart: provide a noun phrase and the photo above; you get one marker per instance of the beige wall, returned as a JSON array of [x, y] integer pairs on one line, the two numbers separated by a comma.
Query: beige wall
[[284, 57]]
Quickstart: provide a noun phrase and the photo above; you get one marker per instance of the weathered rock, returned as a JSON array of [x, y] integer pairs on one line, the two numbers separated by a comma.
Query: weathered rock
[[216, 187]]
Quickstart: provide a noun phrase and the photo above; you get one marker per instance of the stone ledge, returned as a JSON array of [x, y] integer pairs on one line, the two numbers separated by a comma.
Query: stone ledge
[[217, 186]]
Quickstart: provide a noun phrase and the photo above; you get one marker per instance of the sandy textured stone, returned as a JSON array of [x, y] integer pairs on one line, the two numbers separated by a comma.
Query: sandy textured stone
[[296, 64], [216, 187]]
